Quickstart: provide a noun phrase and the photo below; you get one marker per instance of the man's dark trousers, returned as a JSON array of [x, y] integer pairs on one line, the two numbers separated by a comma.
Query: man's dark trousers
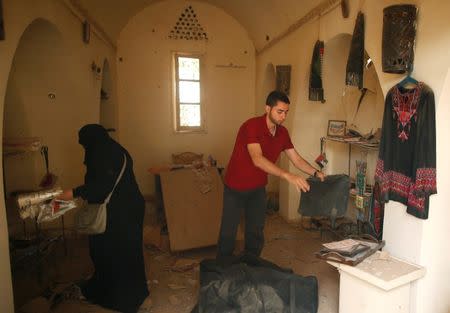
[[253, 202]]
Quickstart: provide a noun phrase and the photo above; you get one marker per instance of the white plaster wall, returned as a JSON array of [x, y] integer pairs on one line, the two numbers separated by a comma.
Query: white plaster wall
[[435, 252], [146, 79], [77, 98], [420, 241]]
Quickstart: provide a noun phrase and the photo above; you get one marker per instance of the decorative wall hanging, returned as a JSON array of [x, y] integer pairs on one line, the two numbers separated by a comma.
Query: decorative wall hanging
[[399, 33], [2, 27], [355, 63], [315, 76], [283, 78], [406, 166], [188, 27]]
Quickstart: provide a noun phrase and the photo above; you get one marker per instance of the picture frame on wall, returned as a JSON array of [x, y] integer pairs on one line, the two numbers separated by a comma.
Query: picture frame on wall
[[336, 128]]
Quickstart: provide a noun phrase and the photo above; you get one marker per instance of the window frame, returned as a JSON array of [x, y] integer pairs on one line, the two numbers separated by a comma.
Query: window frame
[[176, 97]]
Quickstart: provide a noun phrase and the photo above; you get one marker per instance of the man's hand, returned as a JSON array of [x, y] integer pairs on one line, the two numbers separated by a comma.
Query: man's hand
[[320, 175], [299, 182], [66, 195]]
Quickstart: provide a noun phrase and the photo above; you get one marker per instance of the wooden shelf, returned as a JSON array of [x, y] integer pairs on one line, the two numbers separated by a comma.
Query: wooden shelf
[[21, 145]]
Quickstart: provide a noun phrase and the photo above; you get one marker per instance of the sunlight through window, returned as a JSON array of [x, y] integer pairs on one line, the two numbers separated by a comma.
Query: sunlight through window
[[188, 93]]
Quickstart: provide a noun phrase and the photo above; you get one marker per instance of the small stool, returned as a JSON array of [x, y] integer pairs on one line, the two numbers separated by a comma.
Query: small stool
[[380, 283]]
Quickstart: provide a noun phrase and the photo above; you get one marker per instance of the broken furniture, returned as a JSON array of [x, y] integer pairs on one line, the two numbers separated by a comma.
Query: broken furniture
[[380, 283], [193, 216], [187, 158]]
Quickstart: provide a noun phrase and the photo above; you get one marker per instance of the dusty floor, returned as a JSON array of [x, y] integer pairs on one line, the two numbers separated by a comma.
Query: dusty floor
[[173, 278]]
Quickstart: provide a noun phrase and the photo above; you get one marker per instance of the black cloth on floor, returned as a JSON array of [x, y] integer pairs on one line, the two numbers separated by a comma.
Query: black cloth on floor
[[251, 284], [119, 281]]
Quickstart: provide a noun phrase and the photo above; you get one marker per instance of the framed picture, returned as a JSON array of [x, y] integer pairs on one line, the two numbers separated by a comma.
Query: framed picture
[[336, 128]]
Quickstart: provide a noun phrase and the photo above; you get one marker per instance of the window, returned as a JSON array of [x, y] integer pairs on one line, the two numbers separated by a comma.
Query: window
[[188, 107]]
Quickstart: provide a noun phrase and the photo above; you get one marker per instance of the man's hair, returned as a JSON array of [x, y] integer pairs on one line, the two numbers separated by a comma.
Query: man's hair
[[276, 96]]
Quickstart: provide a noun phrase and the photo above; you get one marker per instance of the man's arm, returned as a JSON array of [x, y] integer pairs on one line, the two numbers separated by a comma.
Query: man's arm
[[302, 164], [269, 167]]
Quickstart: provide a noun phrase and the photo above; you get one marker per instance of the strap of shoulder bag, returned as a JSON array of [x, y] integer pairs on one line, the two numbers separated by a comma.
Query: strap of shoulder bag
[[118, 178]]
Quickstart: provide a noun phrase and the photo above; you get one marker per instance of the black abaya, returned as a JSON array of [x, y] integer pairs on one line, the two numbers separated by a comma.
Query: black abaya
[[119, 281]]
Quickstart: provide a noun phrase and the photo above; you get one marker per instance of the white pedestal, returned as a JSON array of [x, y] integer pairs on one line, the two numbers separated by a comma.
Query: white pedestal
[[376, 285]]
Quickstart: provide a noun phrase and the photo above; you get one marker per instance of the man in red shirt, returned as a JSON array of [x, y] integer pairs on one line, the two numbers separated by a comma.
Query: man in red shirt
[[259, 142]]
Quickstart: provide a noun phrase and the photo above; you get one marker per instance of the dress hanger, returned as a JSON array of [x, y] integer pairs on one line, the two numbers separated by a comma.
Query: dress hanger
[[408, 80]]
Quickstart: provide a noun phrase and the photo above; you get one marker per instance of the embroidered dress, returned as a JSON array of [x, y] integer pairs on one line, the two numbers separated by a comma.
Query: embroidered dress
[[406, 167]]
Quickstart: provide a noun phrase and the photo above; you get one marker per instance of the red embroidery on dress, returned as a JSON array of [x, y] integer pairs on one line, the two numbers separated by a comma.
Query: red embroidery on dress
[[402, 185], [404, 106], [426, 180]]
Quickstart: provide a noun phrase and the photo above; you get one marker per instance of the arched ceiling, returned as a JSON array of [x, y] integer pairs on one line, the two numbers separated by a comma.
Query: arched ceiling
[[260, 18]]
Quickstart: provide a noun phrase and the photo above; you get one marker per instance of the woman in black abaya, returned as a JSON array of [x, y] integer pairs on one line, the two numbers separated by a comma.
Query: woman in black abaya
[[119, 280]]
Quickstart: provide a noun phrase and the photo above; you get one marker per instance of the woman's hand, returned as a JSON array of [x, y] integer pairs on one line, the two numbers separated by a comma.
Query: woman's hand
[[66, 195]]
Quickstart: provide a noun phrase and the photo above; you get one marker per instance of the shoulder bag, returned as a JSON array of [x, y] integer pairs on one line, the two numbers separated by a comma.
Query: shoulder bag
[[91, 219]]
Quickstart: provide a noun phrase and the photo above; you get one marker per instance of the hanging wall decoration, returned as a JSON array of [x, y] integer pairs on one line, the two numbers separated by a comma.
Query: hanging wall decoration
[[188, 27], [2, 27], [315, 76], [399, 33], [283, 78], [355, 63]]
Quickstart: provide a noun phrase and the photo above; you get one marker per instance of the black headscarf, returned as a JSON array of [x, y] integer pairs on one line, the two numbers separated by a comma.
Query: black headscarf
[[94, 138], [93, 135]]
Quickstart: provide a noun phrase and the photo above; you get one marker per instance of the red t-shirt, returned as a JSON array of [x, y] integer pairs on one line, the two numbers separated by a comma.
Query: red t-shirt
[[241, 173]]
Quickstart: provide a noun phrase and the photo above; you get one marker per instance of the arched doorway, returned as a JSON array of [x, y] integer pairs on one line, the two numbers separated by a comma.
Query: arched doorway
[[34, 104]]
